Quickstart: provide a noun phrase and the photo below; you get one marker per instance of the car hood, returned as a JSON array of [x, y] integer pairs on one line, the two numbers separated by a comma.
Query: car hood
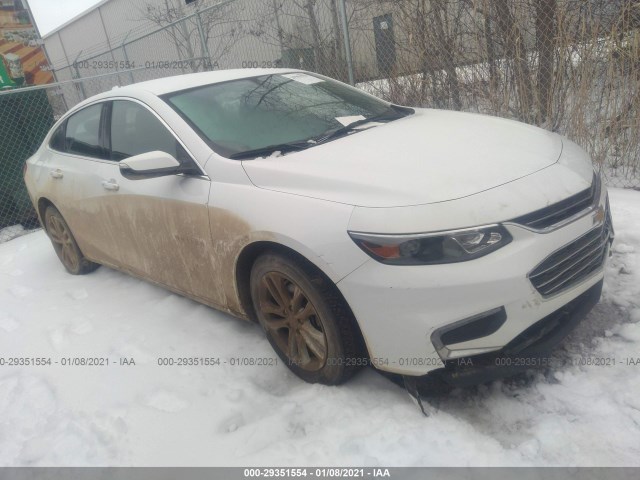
[[431, 156]]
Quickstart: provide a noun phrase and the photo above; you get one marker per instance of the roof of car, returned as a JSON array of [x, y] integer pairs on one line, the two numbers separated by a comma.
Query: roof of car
[[166, 85], [162, 86]]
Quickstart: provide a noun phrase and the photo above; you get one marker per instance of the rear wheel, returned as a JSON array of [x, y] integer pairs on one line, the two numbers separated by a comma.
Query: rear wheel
[[65, 245], [305, 320]]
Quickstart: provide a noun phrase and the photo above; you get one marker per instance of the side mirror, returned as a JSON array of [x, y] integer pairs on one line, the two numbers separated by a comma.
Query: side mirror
[[149, 165]]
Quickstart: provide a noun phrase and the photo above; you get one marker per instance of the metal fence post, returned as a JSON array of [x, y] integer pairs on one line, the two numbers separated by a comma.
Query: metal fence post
[[126, 56], [106, 35], [279, 26], [203, 41], [126, 62], [79, 85], [347, 41]]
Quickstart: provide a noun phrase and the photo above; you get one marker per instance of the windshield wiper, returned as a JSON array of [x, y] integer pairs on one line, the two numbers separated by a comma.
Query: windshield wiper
[[271, 149], [394, 113]]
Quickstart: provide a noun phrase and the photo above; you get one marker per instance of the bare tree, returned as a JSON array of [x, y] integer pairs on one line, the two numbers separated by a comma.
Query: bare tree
[[445, 22], [310, 29], [546, 13], [515, 49], [206, 35]]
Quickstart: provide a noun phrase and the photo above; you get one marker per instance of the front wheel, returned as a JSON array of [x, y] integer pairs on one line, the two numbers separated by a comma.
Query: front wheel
[[305, 319]]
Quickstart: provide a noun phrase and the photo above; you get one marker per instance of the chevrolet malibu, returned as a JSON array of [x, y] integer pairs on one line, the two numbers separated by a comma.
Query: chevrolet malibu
[[354, 231]]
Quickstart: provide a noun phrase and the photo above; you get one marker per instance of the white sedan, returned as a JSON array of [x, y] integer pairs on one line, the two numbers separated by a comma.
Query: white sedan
[[356, 232]]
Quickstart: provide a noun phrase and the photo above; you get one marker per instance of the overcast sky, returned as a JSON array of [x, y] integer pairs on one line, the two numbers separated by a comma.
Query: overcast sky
[[50, 14]]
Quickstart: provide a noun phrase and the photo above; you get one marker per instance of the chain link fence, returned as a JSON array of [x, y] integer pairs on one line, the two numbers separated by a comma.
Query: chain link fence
[[571, 66], [568, 66]]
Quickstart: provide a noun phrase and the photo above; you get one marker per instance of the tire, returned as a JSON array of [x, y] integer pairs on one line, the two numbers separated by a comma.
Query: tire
[[306, 320], [65, 244]]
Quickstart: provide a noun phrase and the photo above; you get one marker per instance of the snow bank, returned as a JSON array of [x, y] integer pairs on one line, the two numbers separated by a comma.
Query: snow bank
[[9, 233]]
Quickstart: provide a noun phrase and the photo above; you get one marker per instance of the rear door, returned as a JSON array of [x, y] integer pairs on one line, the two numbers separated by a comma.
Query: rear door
[[70, 172]]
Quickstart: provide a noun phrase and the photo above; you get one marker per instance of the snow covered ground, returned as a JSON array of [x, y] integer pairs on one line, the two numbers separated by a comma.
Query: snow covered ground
[[148, 415]]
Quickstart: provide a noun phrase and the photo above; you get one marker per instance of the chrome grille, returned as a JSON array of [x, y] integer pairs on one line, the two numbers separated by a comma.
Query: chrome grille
[[558, 212], [573, 262]]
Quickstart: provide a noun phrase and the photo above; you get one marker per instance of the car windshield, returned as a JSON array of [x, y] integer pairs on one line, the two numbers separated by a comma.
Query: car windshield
[[251, 114]]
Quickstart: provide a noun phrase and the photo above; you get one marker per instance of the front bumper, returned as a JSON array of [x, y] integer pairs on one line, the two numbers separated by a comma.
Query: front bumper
[[529, 350], [400, 310]]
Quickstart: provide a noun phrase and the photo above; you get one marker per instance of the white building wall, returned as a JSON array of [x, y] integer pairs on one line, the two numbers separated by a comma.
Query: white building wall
[[243, 34]]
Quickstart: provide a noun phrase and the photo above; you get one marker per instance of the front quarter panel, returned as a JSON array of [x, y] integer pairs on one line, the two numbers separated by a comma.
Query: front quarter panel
[[241, 214]]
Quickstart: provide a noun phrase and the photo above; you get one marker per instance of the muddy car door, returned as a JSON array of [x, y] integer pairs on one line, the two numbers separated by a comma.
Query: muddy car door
[[158, 227], [70, 177]]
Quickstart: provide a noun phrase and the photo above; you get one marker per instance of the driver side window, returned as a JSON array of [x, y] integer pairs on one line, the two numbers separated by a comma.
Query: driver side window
[[135, 130]]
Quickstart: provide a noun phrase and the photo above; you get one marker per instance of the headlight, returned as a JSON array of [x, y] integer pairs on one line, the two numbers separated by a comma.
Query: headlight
[[433, 249]]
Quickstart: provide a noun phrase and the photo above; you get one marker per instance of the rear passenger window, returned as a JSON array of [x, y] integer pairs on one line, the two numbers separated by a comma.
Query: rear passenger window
[[135, 130], [57, 139], [83, 133]]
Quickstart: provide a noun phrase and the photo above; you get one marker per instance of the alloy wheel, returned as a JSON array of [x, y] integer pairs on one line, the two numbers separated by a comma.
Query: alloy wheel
[[63, 242], [292, 321]]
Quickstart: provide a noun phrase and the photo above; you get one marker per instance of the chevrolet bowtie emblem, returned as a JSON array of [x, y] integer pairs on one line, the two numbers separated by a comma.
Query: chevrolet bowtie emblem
[[598, 216]]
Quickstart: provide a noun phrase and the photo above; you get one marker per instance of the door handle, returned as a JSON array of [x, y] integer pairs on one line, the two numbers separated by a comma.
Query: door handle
[[111, 185], [57, 173]]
